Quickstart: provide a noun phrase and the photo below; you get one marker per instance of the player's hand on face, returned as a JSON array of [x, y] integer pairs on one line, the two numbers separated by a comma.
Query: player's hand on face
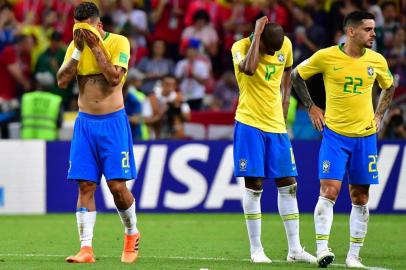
[[91, 39], [260, 24], [78, 39], [317, 117]]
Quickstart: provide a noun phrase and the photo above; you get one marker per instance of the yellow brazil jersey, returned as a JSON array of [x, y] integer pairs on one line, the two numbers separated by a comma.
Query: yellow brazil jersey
[[348, 82], [117, 45], [260, 101]]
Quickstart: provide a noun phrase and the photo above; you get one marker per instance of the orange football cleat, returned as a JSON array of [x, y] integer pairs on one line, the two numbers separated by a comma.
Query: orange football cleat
[[85, 255], [130, 252]]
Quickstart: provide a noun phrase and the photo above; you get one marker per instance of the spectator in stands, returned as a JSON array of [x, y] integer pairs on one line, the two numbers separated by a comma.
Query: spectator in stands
[[372, 7], [193, 74], [225, 95], [132, 22], [212, 8], [8, 26], [385, 34], [65, 21], [133, 108], [202, 30], [171, 108], [40, 32], [320, 16], [136, 105], [41, 111], [276, 12], [15, 73], [167, 18], [396, 57], [155, 67], [310, 37], [27, 10], [339, 9], [48, 64], [394, 125], [237, 21]]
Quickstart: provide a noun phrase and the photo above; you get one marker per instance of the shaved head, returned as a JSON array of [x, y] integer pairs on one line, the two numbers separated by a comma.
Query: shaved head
[[272, 37]]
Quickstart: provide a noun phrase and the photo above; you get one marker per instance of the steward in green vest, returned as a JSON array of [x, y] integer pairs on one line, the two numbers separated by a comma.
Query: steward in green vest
[[40, 115]]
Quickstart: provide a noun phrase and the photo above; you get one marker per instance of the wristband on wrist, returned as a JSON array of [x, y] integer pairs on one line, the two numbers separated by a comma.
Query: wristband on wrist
[[76, 54]]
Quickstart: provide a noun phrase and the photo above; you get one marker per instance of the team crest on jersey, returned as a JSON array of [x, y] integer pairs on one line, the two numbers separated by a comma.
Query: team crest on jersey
[[326, 166], [243, 164], [237, 57], [370, 71], [281, 57]]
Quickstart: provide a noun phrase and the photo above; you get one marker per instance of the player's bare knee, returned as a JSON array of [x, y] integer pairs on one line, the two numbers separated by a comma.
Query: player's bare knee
[[358, 198], [330, 192], [285, 181], [87, 188], [117, 188], [253, 183]]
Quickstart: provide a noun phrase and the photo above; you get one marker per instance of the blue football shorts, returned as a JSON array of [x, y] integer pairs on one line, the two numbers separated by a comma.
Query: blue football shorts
[[102, 144], [262, 154], [356, 156]]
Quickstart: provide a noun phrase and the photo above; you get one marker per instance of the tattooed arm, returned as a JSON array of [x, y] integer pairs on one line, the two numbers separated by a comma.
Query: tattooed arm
[[315, 113], [69, 69], [383, 104], [250, 63], [66, 73], [113, 74]]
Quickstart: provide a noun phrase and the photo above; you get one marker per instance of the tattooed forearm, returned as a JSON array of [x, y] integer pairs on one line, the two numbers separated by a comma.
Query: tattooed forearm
[[301, 89], [110, 72], [66, 73], [384, 101]]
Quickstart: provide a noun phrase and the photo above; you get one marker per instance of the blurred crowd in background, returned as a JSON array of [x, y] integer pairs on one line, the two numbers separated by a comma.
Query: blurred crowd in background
[[180, 61]]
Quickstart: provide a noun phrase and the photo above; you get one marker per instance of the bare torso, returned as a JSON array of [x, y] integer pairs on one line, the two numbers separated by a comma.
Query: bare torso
[[97, 96]]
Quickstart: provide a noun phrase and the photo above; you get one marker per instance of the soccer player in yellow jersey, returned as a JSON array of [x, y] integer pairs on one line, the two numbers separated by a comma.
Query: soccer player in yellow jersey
[[349, 126], [102, 141], [261, 144]]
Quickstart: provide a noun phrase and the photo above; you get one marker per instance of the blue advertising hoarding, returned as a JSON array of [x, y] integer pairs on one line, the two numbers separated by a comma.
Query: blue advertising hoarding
[[197, 176]]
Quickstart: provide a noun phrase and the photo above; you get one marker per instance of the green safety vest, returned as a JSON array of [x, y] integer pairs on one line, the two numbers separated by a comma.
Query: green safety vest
[[39, 115], [144, 128]]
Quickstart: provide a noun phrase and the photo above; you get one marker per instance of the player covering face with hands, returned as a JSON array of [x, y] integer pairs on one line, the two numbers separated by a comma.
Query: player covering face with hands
[[262, 150], [102, 141]]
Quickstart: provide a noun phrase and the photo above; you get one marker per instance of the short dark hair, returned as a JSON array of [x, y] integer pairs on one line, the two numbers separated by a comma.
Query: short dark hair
[[309, 10], [273, 36], [387, 4], [56, 36], [86, 10], [201, 14], [355, 18], [169, 76]]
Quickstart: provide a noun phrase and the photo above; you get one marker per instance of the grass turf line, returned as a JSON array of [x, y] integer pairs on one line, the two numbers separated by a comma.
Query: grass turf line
[[187, 241]]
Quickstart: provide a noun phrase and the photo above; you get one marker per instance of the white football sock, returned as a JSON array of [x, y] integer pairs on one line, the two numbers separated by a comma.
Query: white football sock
[[323, 219], [289, 212], [252, 211], [85, 221], [358, 228], [129, 219]]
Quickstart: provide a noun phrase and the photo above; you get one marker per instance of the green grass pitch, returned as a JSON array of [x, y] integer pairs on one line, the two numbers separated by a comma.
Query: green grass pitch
[[188, 241]]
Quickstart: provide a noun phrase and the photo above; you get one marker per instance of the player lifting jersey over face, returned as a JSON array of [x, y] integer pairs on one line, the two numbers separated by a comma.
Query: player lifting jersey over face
[[102, 141]]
